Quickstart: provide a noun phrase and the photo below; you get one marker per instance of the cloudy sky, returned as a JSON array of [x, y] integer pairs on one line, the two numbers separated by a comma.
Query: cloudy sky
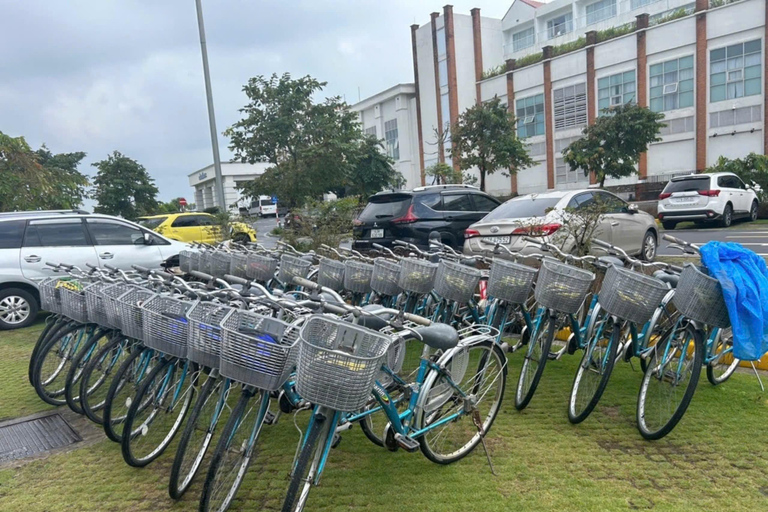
[[104, 75]]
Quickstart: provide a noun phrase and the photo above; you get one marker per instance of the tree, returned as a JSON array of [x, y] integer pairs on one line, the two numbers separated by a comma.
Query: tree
[[752, 169], [172, 206], [485, 137], [123, 187], [371, 170], [612, 146], [444, 174], [70, 188]]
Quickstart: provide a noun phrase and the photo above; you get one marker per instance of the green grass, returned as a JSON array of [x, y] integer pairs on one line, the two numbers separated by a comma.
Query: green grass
[[717, 458]]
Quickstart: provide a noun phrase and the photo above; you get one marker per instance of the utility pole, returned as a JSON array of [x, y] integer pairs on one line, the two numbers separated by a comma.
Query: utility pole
[[211, 115]]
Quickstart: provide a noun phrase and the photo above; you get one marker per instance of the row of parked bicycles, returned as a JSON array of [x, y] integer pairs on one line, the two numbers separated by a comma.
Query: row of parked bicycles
[[410, 345]]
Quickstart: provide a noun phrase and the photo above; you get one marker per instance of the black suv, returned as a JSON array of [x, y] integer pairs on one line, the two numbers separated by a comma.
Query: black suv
[[411, 215]]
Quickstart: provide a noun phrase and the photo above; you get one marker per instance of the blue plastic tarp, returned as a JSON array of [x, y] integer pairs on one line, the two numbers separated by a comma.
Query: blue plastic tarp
[[744, 278]]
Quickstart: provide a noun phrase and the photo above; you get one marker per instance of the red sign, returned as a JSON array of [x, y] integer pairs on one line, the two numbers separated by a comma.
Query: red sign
[[182, 201]]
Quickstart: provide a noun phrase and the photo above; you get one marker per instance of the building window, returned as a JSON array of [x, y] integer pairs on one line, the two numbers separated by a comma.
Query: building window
[[523, 39], [440, 34], [390, 138], [730, 117], [530, 116], [672, 84], [600, 11], [564, 175], [371, 131], [636, 4], [735, 71], [445, 111], [616, 90], [570, 106], [442, 71], [679, 125], [560, 25]]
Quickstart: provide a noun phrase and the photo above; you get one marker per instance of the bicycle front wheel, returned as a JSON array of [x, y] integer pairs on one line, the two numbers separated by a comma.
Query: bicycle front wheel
[[724, 364], [535, 361], [53, 361], [306, 469], [93, 344], [94, 383], [669, 382], [123, 388]]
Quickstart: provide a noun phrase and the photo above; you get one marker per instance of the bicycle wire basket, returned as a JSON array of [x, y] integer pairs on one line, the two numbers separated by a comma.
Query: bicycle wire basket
[[338, 362], [129, 309], [73, 300], [165, 325], [456, 282], [631, 295], [385, 277], [510, 281], [239, 265], [260, 268], [95, 303], [220, 264], [292, 266], [50, 299], [194, 261], [330, 274], [257, 350], [417, 276], [357, 276], [205, 333], [700, 298], [204, 264], [562, 287], [185, 257], [109, 295]]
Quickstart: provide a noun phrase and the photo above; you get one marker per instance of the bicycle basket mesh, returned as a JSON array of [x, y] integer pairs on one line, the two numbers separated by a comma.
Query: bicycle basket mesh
[[562, 287], [165, 324], [510, 281], [239, 265], [184, 261], [205, 332], [94, 303], [205, 262], [630, 295], [194, 261], [220, 263], [385, 277], [49, 296], [109, 296], [260, 268], [700, 298], [257, 350], [417, 276], [357, 276], [129, 308], [291, 266], [330, 274], [456, 282], [73, 300], [338, 362]]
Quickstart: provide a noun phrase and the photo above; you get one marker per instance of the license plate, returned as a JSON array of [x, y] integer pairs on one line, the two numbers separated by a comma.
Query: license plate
[[377, 233], [684, 200], [504, 240]]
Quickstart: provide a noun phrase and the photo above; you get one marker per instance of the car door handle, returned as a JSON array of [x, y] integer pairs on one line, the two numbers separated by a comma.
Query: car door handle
[[32, 258], [614, 223], [106, 255]]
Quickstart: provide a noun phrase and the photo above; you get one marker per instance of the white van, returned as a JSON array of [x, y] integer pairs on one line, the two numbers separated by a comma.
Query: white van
[[263, 206]]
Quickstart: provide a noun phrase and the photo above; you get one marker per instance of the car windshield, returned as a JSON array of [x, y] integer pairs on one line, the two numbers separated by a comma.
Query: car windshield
[[385, 207], [151, 223], [688, 185], [523, 207]]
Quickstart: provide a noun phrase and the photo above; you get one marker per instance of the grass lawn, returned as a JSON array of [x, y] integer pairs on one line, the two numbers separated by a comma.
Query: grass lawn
[[716, 458]]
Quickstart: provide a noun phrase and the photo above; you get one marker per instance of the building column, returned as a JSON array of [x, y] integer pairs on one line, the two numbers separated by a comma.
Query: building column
[[510, 63], [478, 47], [440, 148], [642, 82], [701, 84], [450, 55], [591, 96], [549, 136], [414, 28], [765, 86]]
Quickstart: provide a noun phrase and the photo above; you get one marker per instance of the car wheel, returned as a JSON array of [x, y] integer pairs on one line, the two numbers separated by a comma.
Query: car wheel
[[727, 216], [648, 252], [18, 308], [753, 211], [669, 225], [241, 238]]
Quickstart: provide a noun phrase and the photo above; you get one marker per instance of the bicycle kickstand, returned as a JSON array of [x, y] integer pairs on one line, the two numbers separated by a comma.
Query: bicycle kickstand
[[479, 424], [757, 375]]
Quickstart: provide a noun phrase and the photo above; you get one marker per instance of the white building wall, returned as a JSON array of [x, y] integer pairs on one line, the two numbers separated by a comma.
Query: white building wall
[[427, 78]]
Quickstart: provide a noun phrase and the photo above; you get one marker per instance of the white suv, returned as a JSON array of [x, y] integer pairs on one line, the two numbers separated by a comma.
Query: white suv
[[30, 239], [720, 197]]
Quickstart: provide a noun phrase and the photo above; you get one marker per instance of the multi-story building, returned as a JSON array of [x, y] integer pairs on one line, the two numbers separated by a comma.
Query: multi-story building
[[391, 116], [556, 66], [232, 175]]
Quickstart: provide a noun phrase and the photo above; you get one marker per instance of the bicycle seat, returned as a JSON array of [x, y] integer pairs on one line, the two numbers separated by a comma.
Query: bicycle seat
[[664, 277], [439, 336], [610, 260], [375, 323]]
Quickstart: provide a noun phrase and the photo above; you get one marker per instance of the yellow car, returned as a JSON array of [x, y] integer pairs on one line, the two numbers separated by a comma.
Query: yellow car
[[195, 227]]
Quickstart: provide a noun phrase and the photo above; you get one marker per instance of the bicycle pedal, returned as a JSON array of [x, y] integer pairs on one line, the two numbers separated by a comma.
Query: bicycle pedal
[[336, 441], [270, 418], [553, 356], [507, 348], [406, 443]]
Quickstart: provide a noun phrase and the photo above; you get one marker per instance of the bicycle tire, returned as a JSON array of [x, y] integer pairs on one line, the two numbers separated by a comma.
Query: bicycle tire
[[72, 384], [50, 385], [543, 340], [303, 472], [604, 367], [654, 432], [49, 330], [714, 375], [93, 393], [122, 390]]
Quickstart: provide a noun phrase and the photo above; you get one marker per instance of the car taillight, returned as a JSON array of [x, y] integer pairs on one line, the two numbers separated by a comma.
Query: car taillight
[[471, 233], [709, 193], [664, 195], [408, 217], [541, 230]]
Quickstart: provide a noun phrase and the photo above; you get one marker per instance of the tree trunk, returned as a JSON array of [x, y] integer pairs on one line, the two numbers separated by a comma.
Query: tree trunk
[[602, 181], [482, 180]]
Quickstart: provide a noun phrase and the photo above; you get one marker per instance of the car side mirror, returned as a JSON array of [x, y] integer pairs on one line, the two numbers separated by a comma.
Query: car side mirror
[[146, 239], [632, 208]]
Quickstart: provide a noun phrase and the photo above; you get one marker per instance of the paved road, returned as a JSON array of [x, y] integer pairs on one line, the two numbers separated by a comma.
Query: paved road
[[264, 226], [754, 237]]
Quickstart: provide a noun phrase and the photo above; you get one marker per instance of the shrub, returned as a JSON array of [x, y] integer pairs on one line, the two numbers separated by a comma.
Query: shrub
[[564, 48], [494, 71], [613, 32], [533, 58], [322, 222]]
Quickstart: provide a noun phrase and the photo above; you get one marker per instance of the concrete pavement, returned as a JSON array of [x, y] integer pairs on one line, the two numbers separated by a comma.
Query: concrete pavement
[[751, 236]]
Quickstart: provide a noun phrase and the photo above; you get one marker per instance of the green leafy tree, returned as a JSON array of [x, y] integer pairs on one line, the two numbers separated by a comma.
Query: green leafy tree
[[70, 185], [172, 206], [484, 137], [444, 174], [372, 170], [123, 187], [612, 146], [752, 169]]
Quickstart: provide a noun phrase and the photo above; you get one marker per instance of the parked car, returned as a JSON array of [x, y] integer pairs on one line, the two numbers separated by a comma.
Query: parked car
[[411, 215], [719, 197], [195, 227], [542, 215], [263, 206], [28, 240]]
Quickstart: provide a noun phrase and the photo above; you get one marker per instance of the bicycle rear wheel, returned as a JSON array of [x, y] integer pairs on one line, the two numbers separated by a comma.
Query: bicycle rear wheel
[[53, 361], [724, 364], [93, 344], [123, 390], [95, 381], [670, 381], [535, 360], [53, 324]]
